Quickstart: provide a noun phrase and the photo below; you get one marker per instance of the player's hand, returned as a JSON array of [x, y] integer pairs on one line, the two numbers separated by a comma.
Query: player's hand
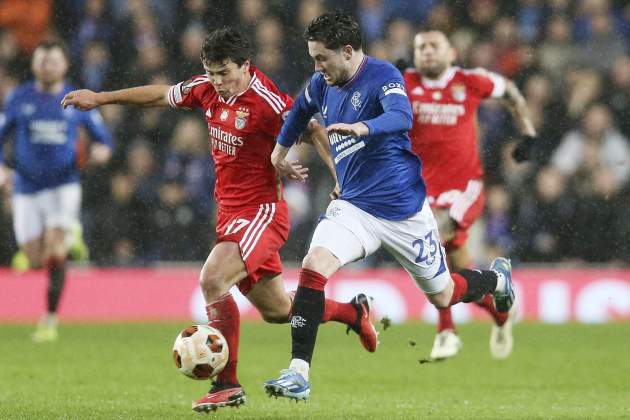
[[292, 170], [523, 149], [336, 192], [100, 154], [83, 99], [356, 130]]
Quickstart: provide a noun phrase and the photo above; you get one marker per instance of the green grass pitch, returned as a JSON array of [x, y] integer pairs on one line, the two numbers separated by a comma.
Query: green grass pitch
[[120, 371]]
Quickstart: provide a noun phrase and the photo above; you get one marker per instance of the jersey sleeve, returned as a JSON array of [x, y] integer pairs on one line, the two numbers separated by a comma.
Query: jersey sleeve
[[278, 113], [397, 115], [7, 121], [487, 84], [187, 94], [303, 109], [96, 127]]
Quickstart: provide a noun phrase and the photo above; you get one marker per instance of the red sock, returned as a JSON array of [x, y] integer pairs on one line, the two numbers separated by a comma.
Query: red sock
[[460, 289], [340, 312], [223, 315], [487, 303], [445, 320]]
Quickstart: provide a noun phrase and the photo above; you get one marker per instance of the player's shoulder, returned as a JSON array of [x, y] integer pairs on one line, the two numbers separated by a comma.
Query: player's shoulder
[[473, 73], [197, 82], [381, 69], [22, 90], [412, 75], [267, 93]]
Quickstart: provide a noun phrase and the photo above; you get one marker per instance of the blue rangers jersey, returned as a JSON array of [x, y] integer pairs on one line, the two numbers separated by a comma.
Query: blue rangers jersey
[[46, 137], [378, 172]]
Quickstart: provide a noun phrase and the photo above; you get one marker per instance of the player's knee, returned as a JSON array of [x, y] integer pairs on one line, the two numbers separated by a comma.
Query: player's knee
[[440, 300], [212, 282], [321, 260]]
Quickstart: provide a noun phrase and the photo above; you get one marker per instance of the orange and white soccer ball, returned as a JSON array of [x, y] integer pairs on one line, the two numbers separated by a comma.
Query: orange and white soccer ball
[[200, 352]]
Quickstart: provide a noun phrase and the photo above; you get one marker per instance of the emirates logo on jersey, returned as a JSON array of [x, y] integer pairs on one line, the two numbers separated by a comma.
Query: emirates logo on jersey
[[459, 92], [241, 118]]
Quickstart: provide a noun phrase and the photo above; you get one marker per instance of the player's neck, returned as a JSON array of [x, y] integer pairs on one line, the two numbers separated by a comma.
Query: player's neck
[[439, 76], [51, 88], [355, 65]]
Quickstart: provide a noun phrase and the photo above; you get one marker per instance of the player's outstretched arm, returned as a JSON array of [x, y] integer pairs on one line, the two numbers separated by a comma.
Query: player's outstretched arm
[[518, 107], [145, 96]]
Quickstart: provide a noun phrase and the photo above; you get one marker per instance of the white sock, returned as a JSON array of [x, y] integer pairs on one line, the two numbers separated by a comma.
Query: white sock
[[500, 280], [300, 366]]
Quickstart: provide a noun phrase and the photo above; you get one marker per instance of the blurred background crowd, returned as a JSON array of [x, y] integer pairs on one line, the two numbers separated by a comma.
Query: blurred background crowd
[[154, 202]]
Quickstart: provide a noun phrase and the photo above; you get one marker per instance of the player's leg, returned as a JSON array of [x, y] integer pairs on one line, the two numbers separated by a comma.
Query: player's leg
[[447, 342], [274, 304], [339, 238], [223, 268]]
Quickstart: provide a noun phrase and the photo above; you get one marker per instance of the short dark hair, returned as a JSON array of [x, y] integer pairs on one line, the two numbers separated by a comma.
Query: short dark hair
[[51, 44], [335, 30], [226, 44]]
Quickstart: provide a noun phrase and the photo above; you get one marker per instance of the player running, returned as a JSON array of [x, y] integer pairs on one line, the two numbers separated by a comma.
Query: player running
[[444, 100], [46, 191], [367, 114], [244, 111]]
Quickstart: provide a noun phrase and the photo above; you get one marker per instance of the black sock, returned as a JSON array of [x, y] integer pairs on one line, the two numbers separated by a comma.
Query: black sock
[[480, 283], [56, 279], [308, 310]]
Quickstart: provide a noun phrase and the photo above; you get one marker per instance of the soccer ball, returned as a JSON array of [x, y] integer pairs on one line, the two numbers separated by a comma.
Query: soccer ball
[[200, 352]]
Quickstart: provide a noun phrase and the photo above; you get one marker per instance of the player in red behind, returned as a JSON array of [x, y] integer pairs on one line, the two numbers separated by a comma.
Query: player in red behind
[[244, 111], [444, 99]]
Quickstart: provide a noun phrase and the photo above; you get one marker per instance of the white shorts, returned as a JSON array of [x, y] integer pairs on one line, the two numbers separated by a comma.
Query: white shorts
[[350, 234], [51, 208]]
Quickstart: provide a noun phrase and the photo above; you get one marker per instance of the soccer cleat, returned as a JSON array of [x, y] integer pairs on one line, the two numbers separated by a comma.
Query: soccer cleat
[[290, 384], [363, 326], [501, 340], [220, 395], [503, 298], [446, 344], [45, 333]]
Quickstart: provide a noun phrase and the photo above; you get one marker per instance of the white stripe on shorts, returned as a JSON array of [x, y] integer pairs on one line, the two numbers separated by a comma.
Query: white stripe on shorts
[[465, 200], [250, 243]]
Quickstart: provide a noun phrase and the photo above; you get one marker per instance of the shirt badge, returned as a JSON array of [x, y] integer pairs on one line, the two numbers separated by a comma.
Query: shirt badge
[[241, 118], [437, 96], [224, 115], [459, 92], [356, 100]]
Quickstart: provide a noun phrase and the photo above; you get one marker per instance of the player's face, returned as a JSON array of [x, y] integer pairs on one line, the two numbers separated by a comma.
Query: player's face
[[228, 78], [49, 66], [432, 53], [334, 65]]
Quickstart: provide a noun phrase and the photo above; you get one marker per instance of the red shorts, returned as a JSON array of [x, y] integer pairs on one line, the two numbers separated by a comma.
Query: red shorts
[[465, 207], [260, 232]]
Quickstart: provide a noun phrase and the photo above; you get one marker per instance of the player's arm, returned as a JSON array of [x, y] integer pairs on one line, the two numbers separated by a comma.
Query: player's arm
[[317, 137], [518, 107], [396, 116], [101, 149], [296, 122], [144, 96]]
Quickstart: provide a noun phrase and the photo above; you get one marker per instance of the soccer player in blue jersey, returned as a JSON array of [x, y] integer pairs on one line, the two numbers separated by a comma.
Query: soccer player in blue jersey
[[382, 202], [46, 191]]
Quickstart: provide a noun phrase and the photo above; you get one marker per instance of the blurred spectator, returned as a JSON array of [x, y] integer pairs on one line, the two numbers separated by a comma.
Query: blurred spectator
[[619, 94], [27, 20]]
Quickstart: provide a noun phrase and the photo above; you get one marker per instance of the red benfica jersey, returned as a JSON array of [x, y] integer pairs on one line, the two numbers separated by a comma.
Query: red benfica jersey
[[444, 132], [243, 129]]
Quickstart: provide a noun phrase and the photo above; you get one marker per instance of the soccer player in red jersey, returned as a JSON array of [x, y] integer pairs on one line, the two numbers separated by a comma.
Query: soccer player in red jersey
[[444, 99], [244, 111]]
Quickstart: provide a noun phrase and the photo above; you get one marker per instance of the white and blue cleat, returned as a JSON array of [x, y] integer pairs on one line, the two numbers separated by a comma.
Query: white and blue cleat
[[290, 384], [504, 297]]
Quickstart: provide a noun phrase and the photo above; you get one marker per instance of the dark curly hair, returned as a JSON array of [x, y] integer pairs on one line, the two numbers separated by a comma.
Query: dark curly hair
[[226, 44], [335, 30], [51, 44]]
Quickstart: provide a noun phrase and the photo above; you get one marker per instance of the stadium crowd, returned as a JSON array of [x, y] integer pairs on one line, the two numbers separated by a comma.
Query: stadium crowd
[[154, 202]]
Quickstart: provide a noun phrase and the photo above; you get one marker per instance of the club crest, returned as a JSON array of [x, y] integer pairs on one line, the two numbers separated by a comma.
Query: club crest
[[459, 92], [241, 118], [356, 100], [224, 115]]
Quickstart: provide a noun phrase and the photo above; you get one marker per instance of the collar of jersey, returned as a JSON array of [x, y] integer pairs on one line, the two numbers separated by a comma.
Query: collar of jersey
[[356, 74], [442, 81], [233, 98]]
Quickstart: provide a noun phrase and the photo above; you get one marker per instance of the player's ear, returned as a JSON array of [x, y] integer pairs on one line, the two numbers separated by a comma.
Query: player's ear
[[246, 65], [347, 51], [452, 54]]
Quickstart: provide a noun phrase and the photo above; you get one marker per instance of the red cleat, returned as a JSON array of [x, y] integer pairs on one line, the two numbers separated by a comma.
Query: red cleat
[[220, 395], [363, 326]]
